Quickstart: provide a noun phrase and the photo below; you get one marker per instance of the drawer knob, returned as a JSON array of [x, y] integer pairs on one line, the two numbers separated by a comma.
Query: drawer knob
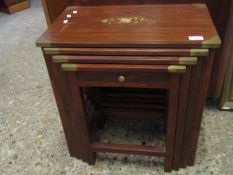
[[121, 79]]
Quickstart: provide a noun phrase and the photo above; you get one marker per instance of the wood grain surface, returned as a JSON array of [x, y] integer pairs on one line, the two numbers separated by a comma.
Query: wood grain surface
[[133, 26]]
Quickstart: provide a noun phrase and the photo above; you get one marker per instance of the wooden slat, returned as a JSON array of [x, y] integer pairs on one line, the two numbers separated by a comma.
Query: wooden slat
[[134, 105], [133, 94], [133, 113], [137, 90], [128, 149], [134, 100]]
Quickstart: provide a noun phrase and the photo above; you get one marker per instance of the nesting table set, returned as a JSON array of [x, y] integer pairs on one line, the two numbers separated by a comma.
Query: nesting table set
[[148, 61]]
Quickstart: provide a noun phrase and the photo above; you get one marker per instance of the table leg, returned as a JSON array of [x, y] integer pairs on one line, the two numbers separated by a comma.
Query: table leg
[[181, 114], [173, 95], [61, 91], [202, 93], [79, 121], [190, 111]]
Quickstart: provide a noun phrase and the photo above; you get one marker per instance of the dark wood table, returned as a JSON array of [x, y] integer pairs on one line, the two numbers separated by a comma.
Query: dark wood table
[[101, 43]]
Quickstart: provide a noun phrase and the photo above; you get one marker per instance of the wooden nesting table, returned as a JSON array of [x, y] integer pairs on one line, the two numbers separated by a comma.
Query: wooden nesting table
[[97, 56]]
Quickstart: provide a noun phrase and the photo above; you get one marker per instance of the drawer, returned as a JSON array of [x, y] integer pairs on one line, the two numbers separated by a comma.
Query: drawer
[[120, 75]]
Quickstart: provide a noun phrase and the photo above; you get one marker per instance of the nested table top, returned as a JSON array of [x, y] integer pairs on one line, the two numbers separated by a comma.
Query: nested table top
[[170, 26]]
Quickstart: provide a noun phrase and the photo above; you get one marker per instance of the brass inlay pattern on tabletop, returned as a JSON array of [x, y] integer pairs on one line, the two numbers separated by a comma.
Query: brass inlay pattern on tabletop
[[128, 20]]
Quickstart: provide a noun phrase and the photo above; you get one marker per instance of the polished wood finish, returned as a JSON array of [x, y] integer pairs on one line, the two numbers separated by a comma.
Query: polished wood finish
[[219, 11], [202, 93], [144, 76], [190, 111], [96, 68], [181, 117], [173, 95], [76, 83], [126, 52], [199, 83], [132, 23], [138, 60], [79, 121], [64, 101], [163, 47]]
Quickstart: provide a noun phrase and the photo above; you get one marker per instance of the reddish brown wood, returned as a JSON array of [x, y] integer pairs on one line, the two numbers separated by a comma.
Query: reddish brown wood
[[125, 85], [64, 101], [79, 121], [173, 95], [128, 149], [125, 51], [139, 60], [219, 11], [135, 100], [133, 113], [190, 111], [136, 76], [135, 106], [181, 116], [106, 75], [129, 97], [87, 30], [118, 68], [144, 100], [202, 93]]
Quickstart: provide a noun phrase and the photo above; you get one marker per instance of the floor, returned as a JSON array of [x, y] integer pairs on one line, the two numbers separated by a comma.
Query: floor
[[31, 136]]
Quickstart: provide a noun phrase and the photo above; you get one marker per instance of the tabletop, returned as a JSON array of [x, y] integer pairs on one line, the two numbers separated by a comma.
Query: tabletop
[[160, 26]]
